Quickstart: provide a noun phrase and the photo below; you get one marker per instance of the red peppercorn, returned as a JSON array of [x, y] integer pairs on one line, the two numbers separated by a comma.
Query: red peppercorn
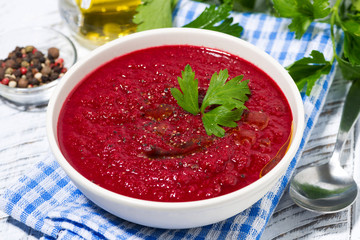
[[59, 62], [64, 70], [5, 81], [23, 70]]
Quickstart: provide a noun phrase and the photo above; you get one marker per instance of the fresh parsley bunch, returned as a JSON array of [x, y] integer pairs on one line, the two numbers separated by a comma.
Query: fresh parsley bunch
[[341, 14]]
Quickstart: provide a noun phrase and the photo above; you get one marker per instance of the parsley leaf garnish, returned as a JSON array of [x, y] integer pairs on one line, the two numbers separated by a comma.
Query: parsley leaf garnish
[[226, 99], [189, 99], [231, 93], [308, 69]]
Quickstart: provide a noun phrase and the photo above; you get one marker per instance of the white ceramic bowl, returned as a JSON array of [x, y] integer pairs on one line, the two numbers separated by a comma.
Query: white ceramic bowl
[[176, 215]]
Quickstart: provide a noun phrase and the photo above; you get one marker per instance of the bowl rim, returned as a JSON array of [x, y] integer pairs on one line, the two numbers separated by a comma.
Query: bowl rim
[[46, 86], [164, 206]]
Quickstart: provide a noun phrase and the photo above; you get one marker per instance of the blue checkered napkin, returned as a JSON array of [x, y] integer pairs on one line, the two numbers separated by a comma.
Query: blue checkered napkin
[[46, 200]]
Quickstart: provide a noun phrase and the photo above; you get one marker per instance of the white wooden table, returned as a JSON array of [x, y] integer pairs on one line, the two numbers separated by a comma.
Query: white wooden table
[[23, 141]]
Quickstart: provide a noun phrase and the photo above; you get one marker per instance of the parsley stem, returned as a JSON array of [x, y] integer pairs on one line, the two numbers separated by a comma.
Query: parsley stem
[[334, 17], [332, 20]]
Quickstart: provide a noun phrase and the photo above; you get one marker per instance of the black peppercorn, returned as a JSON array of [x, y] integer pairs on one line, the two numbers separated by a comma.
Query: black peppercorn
[[34, 81], [54, 76]]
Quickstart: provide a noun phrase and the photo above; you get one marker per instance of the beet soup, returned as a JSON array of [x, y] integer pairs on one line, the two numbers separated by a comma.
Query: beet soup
[[122, 129]]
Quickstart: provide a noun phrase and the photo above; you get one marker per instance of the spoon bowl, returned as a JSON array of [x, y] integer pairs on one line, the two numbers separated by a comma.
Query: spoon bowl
[[331, 188], [328, 187]]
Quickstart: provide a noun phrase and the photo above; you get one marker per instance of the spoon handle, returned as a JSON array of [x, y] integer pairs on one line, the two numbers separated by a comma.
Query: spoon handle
[[349, 116]]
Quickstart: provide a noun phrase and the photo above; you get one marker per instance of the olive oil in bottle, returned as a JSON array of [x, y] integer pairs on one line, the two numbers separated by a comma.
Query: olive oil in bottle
[[101, 21]]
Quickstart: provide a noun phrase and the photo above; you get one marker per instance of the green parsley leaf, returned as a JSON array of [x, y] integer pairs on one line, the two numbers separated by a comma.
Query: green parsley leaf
[[231, 97], [251, 5], [349, 71], [302, 12], [351, 30], [286, 8], [299, 25], [244, 5], [307, 70], [356, 4], [153, 14], [217, 19], [227, 98], [188, 100], [231, 93], [321, 9], [220, 116]]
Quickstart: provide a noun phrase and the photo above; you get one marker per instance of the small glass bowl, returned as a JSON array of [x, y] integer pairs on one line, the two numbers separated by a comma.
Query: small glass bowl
[[42, 39]]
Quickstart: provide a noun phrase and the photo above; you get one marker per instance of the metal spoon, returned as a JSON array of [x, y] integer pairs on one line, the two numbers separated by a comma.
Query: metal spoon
[[329, 188]]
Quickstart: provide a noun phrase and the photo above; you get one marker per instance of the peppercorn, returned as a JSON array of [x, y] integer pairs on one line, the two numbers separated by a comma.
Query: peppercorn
[[53, 52], [18, 60], [33, 70], [18, 72], [57, 69], [29, 75], [9, 70], [35, 61], [34, 81], [18, 54], [2, 72], [25, 64], [23, 83], [46, 70], [45, 79], [42, 59], [12, 83], [59, 62], [23, 70], [9, 63], [54, 76], [38, 75], [29, 49], [38, 54], [11, 76], [5, 81]]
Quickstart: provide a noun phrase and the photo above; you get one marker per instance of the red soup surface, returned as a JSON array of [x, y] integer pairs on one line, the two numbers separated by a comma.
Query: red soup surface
[[122, 129]]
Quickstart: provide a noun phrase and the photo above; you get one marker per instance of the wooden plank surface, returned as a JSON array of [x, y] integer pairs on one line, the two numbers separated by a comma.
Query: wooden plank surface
[[22, 144], [290, 221]]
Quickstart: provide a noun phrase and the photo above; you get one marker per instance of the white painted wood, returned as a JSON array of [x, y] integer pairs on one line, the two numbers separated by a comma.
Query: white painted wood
[[20, 143], [290, 221]]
